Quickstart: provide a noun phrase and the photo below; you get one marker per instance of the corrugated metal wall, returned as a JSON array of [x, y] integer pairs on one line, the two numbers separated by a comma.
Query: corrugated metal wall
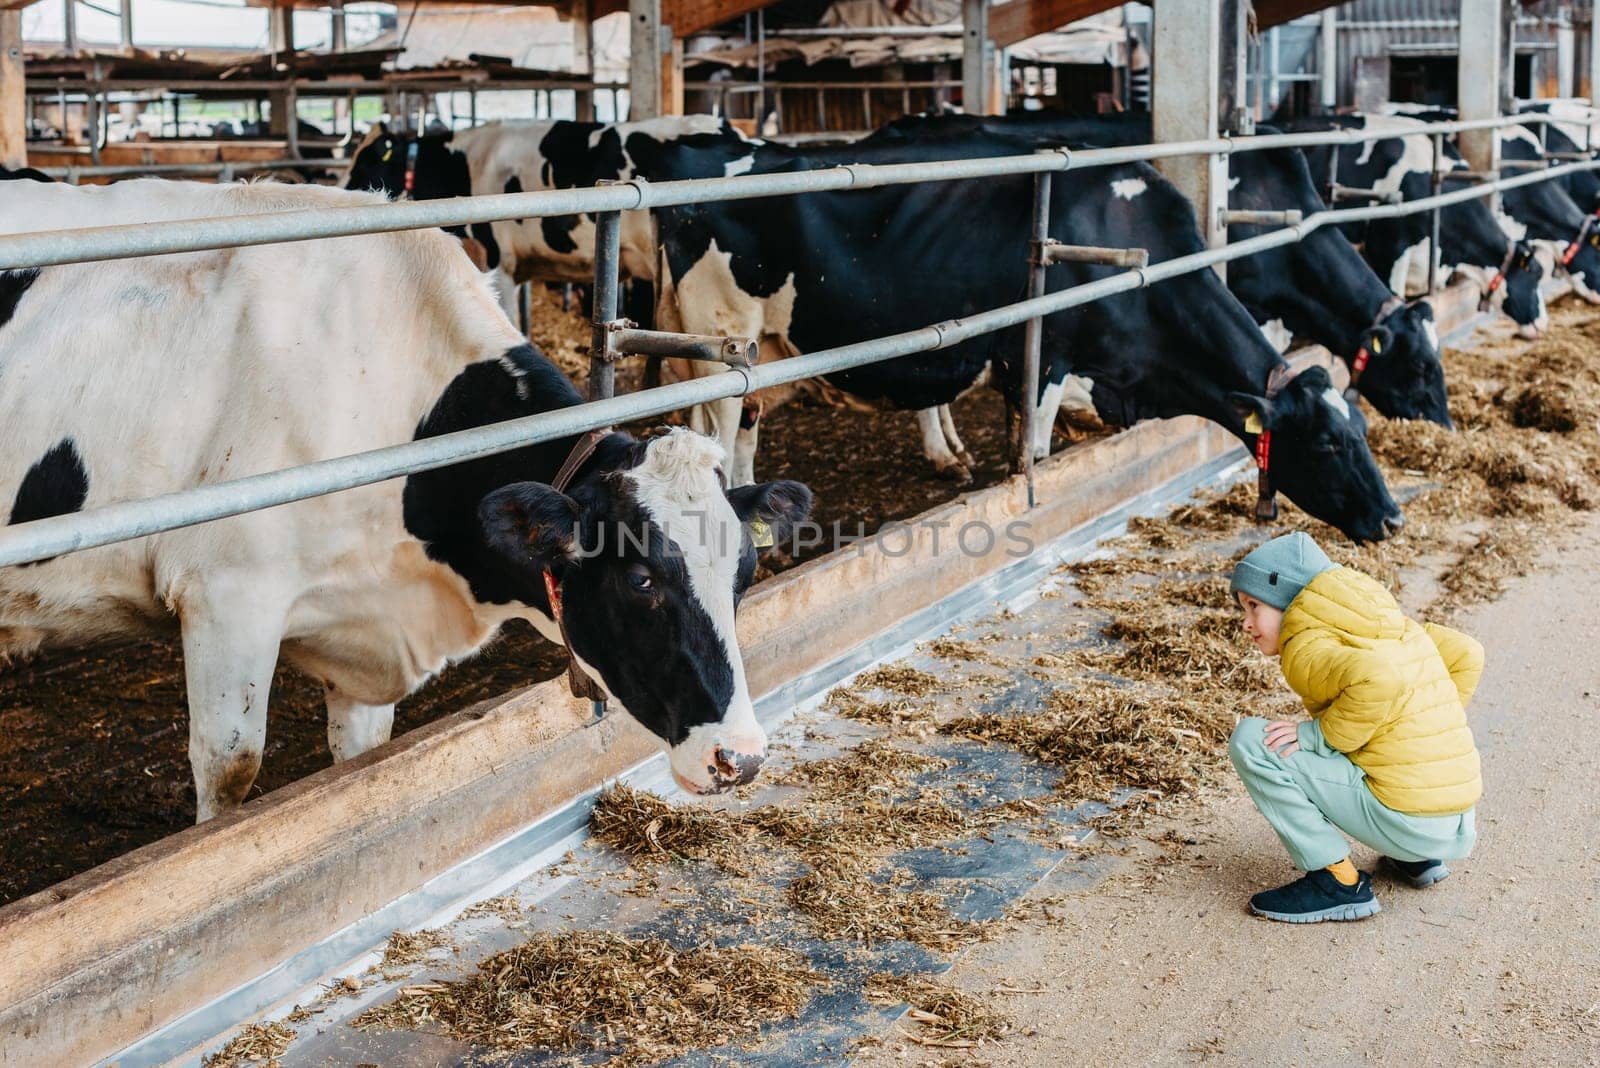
[[1411, 32]]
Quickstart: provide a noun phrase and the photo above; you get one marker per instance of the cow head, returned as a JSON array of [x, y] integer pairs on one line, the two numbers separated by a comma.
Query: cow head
[[651, 561], [1319, 456], [1403, 377], [1522, 300], [383, 156]]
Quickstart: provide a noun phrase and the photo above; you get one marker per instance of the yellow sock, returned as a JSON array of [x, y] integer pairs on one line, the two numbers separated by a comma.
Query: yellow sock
[[1345, 872]]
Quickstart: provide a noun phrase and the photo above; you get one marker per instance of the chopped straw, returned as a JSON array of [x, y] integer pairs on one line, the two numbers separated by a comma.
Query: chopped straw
[[256, 1044], [945, 1018], [595, 990]]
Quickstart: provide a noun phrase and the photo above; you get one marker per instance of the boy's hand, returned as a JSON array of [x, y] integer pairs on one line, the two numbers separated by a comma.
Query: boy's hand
[[1283, 738]]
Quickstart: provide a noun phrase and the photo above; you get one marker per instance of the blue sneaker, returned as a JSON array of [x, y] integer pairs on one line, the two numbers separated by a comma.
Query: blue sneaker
[[1317, 896], [1419, 873]]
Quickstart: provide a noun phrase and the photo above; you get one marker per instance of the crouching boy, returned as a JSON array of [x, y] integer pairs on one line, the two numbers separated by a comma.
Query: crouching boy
[[1387, 757]]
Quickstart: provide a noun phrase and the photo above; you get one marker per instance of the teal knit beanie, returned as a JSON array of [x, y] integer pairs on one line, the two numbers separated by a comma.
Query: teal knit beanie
[[1276, 572]]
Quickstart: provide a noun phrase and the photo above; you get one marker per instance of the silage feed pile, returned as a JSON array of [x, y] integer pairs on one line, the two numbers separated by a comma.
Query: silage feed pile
[[1135, 670]]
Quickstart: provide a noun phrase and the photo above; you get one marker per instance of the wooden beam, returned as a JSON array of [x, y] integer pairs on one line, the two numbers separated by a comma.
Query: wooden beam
[[1022, 19], [689, 17], [13, 99], [1276, 12]]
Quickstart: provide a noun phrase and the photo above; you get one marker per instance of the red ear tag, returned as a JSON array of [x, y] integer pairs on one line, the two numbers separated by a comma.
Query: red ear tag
[[1263, 449], [553, 592]]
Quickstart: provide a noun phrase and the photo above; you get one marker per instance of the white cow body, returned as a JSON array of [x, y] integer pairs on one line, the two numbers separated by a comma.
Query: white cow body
[[207, 367]]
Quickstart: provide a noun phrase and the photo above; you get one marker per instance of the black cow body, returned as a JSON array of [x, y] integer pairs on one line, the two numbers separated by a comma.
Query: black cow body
[[829, 269], [1319, 288], [516, 157], [1470, 238]]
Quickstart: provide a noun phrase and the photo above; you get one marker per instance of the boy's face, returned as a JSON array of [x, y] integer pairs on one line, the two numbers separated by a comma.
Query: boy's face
[[1261, 622]]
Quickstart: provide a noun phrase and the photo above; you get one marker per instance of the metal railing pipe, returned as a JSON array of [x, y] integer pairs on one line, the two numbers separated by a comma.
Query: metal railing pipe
[[195, 235]]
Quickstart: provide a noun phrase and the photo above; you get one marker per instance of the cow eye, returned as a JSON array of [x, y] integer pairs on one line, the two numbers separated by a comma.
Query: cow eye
[[639, 578]]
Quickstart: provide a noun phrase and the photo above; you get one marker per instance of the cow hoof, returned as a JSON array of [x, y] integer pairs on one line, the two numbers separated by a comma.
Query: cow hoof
[[959, 473], [966, 459], [1529, 333]]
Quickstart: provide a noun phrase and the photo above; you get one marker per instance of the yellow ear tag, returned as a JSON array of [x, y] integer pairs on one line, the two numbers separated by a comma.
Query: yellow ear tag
[[760, 533], [1377, 346], [387, 154], [1252, 424]]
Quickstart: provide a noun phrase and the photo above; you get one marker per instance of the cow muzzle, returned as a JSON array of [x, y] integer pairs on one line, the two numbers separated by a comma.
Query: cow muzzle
[[719, 767]]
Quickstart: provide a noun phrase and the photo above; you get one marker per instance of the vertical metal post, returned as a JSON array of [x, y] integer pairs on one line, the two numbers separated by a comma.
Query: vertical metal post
[[607, 254], [126, 11], [1033, 336], [1328, 62], [602, 375], [69, 29], [1479, 73], [92, 104], [1187, 99], [644, 59], [977, 57], [1433, 241], [13, 94]]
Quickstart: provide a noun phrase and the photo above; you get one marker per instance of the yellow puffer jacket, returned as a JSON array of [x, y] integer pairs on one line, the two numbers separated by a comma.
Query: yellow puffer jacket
[[1388, 693]]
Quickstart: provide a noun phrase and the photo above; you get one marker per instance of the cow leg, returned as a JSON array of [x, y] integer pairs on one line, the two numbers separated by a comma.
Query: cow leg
[[937, 449], [744, 449], [721, 418], [230, 646], [505, 288], [354, 728], [1044, 419], [947, 423]]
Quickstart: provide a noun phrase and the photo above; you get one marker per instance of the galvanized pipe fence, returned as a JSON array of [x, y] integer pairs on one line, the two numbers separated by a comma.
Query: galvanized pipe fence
[[45, 538]]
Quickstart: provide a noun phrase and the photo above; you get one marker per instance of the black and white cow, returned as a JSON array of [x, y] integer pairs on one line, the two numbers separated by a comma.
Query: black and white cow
[[233, 362], [830, 269], [1319, 288], [515, 157], [1473, 243], [1567, 135], [1546, 212]]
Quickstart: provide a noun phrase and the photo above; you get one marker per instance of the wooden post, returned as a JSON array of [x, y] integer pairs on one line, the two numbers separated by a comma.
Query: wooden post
[[644, 59], [1480, 71], [13, 98], [1185, 101], [977, 58], [283, 123], [672, 77]]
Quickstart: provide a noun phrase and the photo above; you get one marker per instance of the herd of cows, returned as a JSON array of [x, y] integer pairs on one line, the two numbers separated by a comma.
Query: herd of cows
[[634, 553]]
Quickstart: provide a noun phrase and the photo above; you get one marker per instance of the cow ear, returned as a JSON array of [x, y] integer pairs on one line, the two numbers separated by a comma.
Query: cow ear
[[1377, 340], [530, 524], [771, 510], [1258, 413], [1422, 310]]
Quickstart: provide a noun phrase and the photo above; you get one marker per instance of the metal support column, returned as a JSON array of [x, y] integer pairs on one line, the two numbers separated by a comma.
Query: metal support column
[[338, 41], [1594, 59], [1033, 336], [69, 26], [126, 12], [1433, 222], [1185, 102], [13, 98], [644, 59], [977, 58], [583, 43], [602, 373], [1328, 58], [1480, 72]]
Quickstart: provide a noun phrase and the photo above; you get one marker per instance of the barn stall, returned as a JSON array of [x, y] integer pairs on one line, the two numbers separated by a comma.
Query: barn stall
[[800, 633]]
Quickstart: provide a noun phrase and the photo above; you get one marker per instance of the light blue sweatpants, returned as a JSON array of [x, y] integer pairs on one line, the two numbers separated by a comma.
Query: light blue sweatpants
[[1316, 793]]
